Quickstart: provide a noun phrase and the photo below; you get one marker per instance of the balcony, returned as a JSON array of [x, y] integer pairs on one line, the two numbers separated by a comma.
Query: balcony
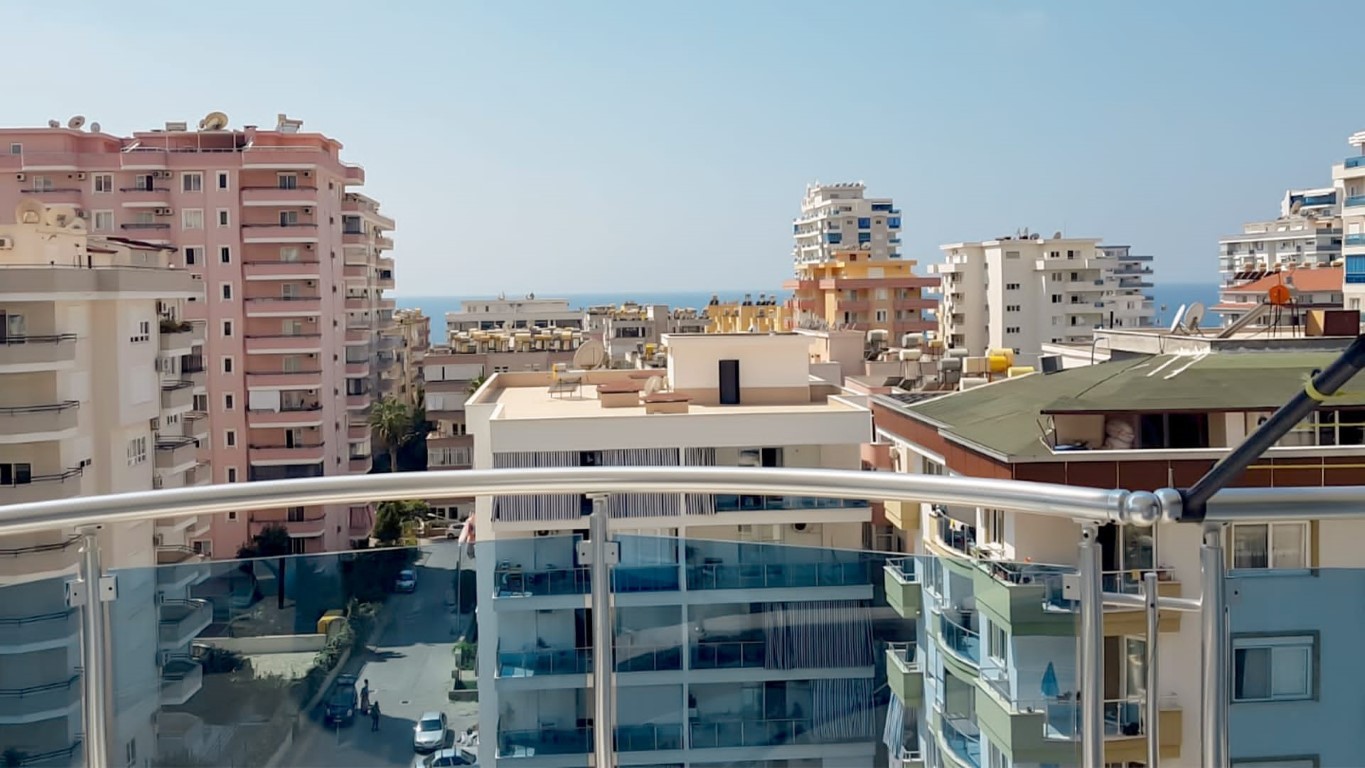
[[181, 678], [302, 379], [175, 454], [905, 672], [179, 338], [283, 306], [309, 415], [277, 233], [649, 738], [22, 354], [544, 661], [729, 654], [298, 453], [359, 465], [539, 742], [706, 733], [196, 424], [43, 630], [350, 237], [360, 369], [40, 702], [1355, 201], [903, 587], [279, 196], [1357, 239], [962, 738], [959, 639], [300, 269], [157, 197], [45, 487], [852, 572], [293, 343], [177, 396], [1355, 162], [358, 402], [182, 620], [1017, 596], [383, 243], [512, 581], [37, 423], [54, 196]]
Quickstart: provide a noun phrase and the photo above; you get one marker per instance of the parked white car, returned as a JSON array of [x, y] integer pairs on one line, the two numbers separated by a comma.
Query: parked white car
[[431, 732]]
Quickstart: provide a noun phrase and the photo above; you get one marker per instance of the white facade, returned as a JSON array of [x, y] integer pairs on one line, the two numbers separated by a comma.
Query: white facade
[[676, 605], [502, 312], [1349, 178], [836, 217], [1022, 292], [1131, 304], [1306, 233], [85, 409]]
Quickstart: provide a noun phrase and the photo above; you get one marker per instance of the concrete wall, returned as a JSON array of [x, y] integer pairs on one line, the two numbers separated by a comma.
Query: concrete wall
[[268, 643]]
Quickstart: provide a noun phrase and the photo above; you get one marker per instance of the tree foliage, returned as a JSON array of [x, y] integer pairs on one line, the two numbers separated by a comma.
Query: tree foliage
[[391, 420], [389, 519]]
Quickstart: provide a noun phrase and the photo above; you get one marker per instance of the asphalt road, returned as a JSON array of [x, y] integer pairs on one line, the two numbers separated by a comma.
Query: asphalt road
[[409, 673]]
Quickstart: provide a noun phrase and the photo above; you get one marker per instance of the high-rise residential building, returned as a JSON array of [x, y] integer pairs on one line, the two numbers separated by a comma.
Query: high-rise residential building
[[1131, 302], [1311, 287], [1349, 178], [502, 312], [414, 332], [293, 265], [1021, 292], [97, 380], [855, 291], [837, 218], [1306, 233], [728, 648], [992, 620]]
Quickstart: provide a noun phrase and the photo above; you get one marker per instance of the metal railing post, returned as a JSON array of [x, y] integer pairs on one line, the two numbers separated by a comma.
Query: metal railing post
[[90, 592], [1214, 661], [602, 554], [1091, 649], [1149, 588]]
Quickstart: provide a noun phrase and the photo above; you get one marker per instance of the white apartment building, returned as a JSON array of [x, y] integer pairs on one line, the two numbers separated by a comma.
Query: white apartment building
[[1024, 291], [1306, 233], [728, 649], [1349, 178], [97, 395], [837, 217], [502, 312], [1131, 304]]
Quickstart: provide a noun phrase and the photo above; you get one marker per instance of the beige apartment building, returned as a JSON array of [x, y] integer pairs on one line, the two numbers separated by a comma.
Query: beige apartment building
[[98, 382]]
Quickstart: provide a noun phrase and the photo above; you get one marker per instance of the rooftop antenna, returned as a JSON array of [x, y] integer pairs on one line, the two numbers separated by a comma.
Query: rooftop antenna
[[75, 122]]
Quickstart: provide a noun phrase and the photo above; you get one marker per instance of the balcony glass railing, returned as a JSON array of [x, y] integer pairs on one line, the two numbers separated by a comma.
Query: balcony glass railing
[[737, 503], [1355, 162], [1358, 239], [545, 661], [957, 638], [1355, 200], [733, 654], [963, 738]]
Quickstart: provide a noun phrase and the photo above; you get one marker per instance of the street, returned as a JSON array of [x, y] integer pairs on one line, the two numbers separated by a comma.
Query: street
[[409, 673]]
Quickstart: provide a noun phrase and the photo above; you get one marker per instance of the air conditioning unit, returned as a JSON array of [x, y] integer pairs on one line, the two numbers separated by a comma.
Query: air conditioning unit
[[312, 319], [307, 211], [310, 246], [165, 174], [163, 211], [20, 177], [312, 283], [6, 243], [80, 175], [307, 174], [806, 527]]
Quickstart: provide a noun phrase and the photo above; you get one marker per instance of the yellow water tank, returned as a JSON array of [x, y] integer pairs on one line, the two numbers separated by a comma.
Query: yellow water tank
[[1019, 370], [1000, 360]]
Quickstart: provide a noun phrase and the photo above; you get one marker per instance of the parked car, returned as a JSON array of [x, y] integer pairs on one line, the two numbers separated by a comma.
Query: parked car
[[343, 702], [431, 732], [407, 581], [443, 758]]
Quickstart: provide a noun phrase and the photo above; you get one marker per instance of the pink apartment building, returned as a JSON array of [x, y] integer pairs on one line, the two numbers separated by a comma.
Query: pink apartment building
[[293, 263]]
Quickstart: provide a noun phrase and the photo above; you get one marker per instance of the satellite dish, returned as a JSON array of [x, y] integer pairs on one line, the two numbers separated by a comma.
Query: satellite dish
[[1194, 316], [213, 121], [53, 124], [654, 385], [591, 354], [94, 127], [75, 122], [1178, 319], [29, 211]]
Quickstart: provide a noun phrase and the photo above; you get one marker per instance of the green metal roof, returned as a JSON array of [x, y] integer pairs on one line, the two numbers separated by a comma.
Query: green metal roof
[[1004, 416]]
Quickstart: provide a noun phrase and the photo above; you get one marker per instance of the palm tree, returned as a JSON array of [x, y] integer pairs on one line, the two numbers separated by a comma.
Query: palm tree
[[391, 421], [271, 541]]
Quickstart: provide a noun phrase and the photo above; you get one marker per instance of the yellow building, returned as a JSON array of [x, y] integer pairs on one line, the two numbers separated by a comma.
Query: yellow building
[[853, 290], [747, 316]]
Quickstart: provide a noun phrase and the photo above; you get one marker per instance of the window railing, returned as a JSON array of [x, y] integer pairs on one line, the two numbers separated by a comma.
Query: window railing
[[51, 338], [729, 654], [961, 641], [545, 661]]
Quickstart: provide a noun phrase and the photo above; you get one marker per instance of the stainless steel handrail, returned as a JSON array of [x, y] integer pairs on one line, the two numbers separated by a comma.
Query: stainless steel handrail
[[1085, 504]]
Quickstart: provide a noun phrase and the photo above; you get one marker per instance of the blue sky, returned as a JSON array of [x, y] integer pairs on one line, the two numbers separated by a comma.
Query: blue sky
[[563, 146]]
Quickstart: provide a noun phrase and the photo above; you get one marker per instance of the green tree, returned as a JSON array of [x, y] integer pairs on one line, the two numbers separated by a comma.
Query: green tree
[[271, 541], [391, 421], [476, 383], [389, 519]]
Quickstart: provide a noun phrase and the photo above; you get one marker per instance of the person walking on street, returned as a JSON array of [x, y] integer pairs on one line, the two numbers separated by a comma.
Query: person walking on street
[[365, 697], [374, 715]]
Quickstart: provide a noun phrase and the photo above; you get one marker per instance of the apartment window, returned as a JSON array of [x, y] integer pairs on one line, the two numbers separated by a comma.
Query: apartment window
[[1270, 545], [227, 365], [289, 253], [864, 223], [137, 451], [43, 184], [104, 221], [22, 474], [289, 218], [223, 217], [1056, 298], [225, 290], [224, 255], [997, 643], [232, 478], [1056, 277], [194, 254], [1011, 254], [1273, 668], [298, 546], [192, 182], [227, 328], [230, 438], [16, 149], [881, 315], [288, 180], [222, 179], [994, 526], [229, 401], [205, 547], [294, 514], [1011, 286], [143, 183], [144, 332], [1012, 307], [1011, 329], [192, 218], [103, 182]]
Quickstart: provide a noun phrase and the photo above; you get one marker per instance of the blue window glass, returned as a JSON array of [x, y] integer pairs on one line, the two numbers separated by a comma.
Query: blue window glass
[[864, 223], [894, 222], [834, 238], [1355, 269], [864, 237]]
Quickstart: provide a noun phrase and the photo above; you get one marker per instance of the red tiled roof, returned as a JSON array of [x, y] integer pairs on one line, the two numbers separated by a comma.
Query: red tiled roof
[[1306, 280]]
